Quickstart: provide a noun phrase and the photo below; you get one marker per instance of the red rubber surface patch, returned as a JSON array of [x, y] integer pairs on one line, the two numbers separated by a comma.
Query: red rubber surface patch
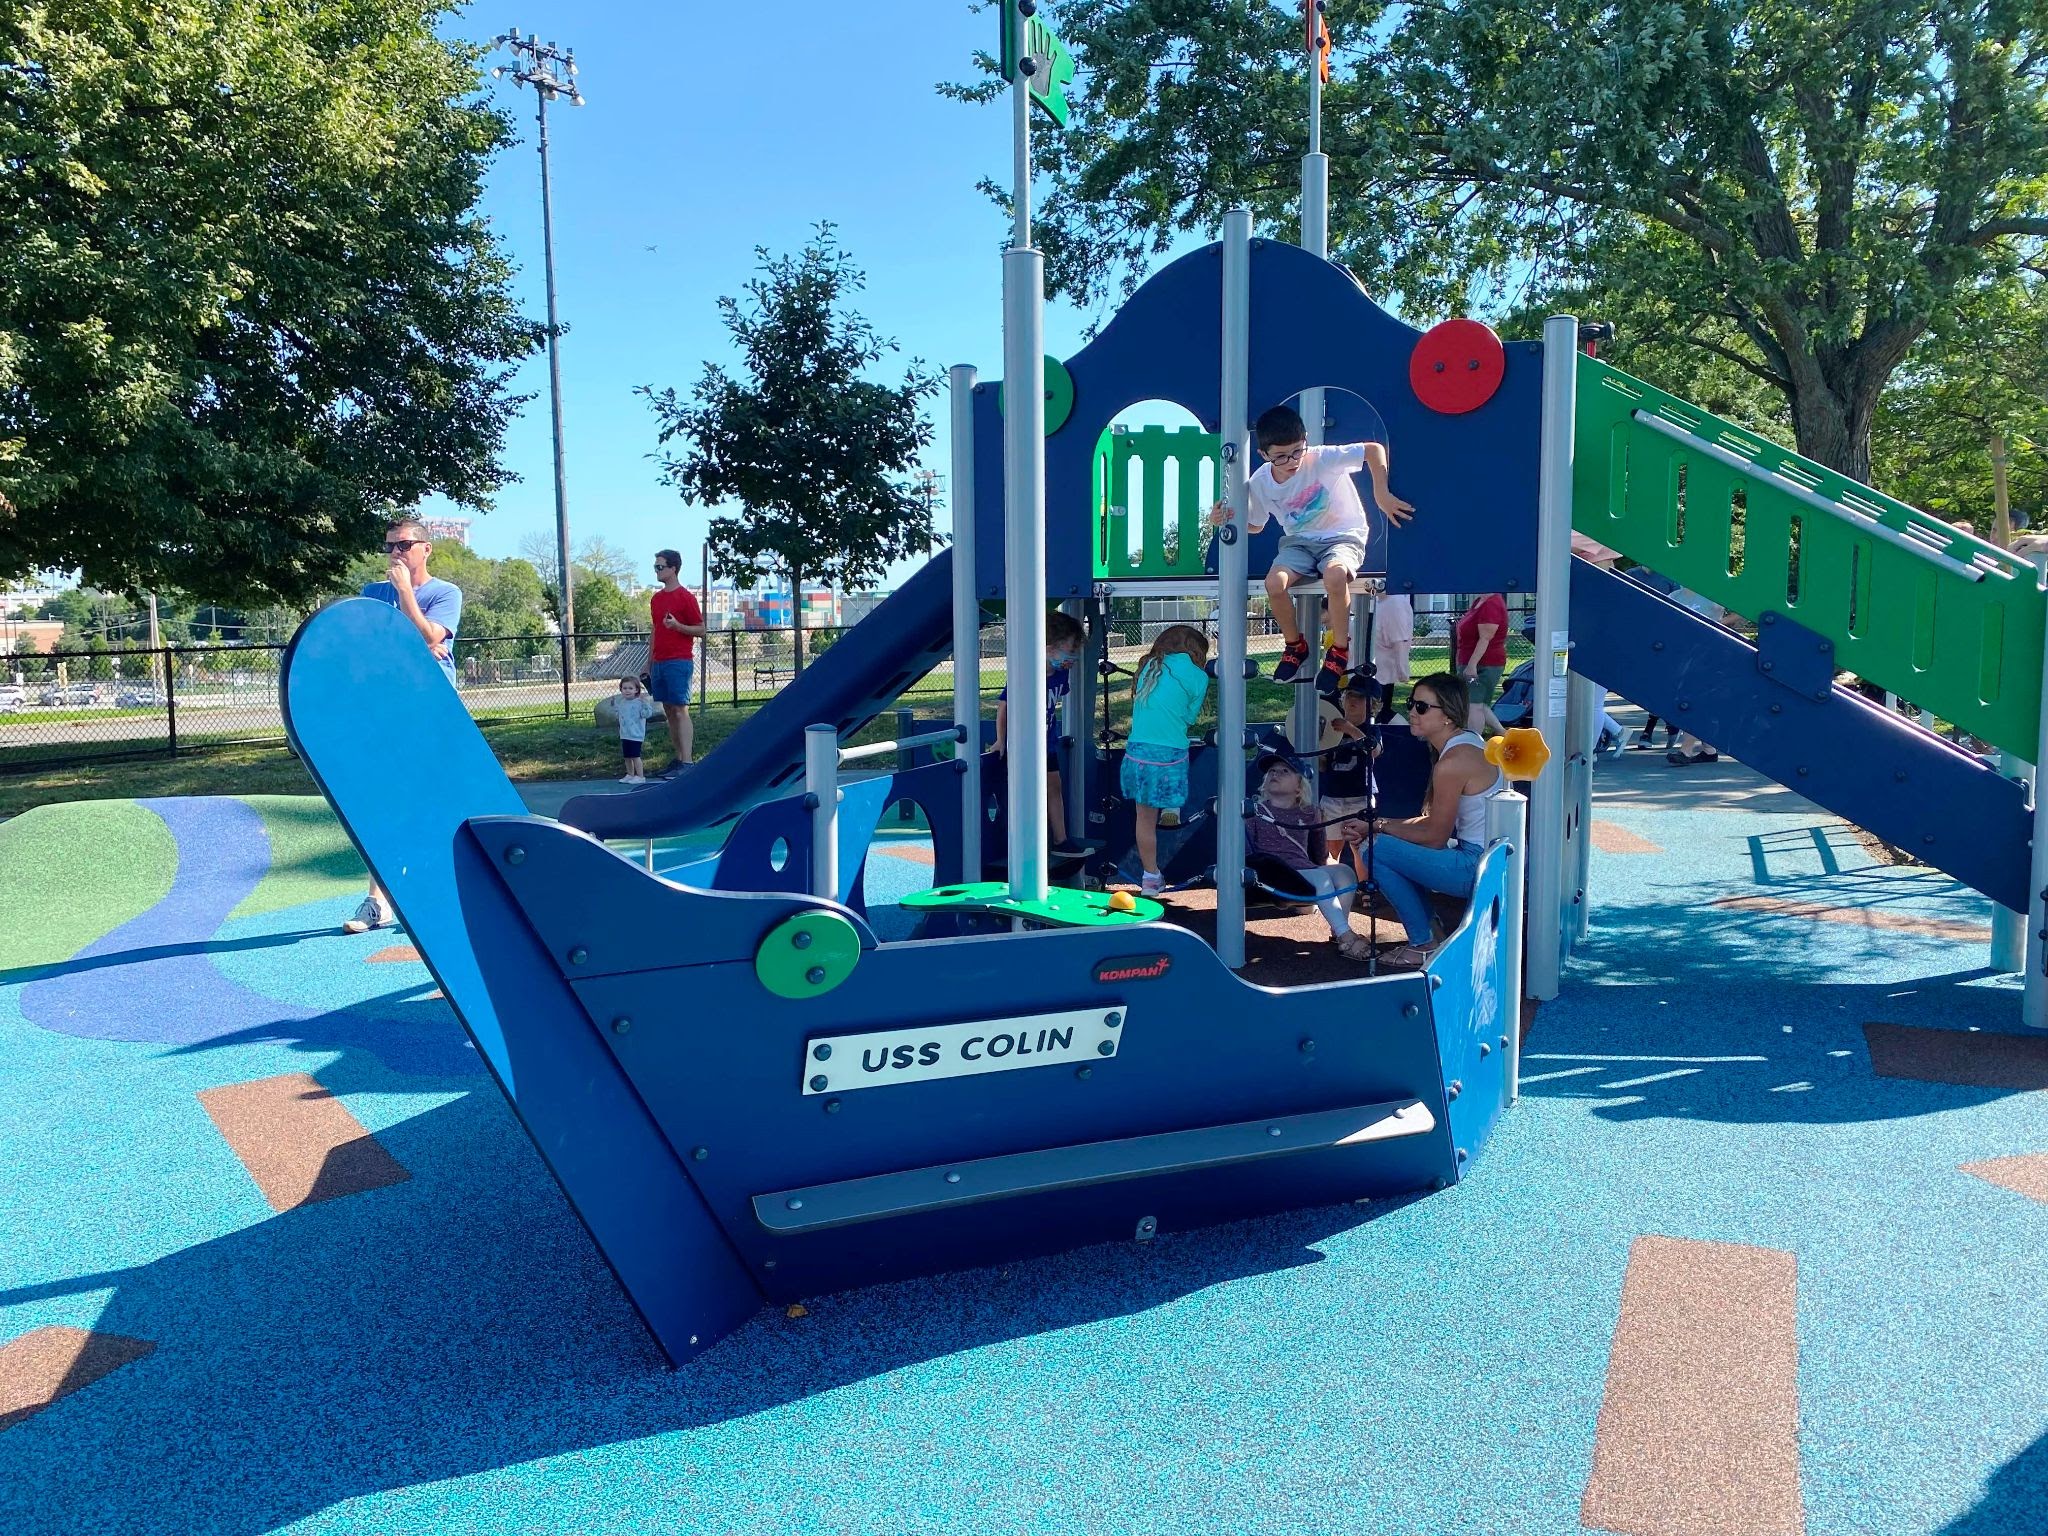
[[1456, 366]]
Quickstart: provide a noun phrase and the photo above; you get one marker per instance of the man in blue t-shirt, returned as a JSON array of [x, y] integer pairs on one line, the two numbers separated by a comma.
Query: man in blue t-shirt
[[434, 608]]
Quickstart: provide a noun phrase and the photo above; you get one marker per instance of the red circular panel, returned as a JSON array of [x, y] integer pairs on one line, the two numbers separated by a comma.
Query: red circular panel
[[1456, 366]]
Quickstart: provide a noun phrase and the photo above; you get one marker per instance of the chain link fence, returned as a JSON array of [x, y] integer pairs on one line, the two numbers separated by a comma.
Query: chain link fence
[[81, 706]]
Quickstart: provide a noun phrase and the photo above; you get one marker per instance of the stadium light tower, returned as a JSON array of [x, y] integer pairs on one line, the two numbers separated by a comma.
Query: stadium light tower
[[551, 71]]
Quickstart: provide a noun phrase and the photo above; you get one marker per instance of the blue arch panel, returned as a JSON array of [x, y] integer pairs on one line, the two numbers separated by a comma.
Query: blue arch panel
[[1472, 477]]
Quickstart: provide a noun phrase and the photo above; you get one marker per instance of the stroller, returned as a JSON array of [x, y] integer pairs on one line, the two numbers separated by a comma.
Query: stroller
[[1517, 706]]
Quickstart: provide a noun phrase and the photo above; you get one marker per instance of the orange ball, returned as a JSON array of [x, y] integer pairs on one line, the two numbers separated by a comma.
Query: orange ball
[[1122, 901]]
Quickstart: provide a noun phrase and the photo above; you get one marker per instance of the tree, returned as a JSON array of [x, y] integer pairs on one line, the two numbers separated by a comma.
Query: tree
[[816, 453], [250, 308], [1803, 190], [1978, 383], [538, 548]]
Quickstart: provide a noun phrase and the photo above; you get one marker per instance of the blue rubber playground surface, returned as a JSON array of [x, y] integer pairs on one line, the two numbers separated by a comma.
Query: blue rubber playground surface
[[417, 1335]]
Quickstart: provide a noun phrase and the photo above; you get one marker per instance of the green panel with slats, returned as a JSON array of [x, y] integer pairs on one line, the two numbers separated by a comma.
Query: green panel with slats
[[1930, 612], [1131, 480]]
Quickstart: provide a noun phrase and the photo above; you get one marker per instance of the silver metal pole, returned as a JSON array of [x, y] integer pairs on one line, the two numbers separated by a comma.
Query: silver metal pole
[[547, 245], [1074, 728], [1304, 719], [1553, 650], [2034, 1002], [1230, 580], [966, 622], [2009, 928], [1507, 819], [821, 788], [1583, 702], [1024, 522]]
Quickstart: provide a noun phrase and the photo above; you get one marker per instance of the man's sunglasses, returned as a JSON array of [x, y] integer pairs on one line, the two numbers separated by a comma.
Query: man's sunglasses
[[400, 546]]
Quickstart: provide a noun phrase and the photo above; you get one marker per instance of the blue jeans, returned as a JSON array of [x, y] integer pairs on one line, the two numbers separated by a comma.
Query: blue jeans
[[1404, 870]]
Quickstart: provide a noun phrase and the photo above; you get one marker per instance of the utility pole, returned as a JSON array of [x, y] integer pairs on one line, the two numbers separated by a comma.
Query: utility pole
[[551, 72]]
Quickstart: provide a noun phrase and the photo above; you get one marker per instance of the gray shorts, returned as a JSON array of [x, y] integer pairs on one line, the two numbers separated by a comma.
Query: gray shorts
[[1308, 555]]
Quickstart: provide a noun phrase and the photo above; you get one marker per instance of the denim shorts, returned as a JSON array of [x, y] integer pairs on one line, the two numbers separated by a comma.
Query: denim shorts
[[669, 681], [1156, 776], [1307, 555]]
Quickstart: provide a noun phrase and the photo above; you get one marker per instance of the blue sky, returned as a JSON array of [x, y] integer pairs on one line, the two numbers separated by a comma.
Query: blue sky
[[711, 130]]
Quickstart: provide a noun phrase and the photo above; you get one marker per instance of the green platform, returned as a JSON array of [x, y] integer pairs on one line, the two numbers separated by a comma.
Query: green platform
[[1068, 909]]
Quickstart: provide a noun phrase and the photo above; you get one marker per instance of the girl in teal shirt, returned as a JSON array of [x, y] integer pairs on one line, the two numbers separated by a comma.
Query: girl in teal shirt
[[1171, 684]]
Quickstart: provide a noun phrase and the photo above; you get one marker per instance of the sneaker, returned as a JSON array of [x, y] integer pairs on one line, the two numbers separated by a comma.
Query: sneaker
[[373, 913], [1289, 665], [1336, 662], [1151, 884], [1073, 848], [674, 771], [1169, 818]]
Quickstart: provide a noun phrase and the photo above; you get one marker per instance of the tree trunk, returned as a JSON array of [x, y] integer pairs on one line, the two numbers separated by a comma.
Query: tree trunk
[[796, 613], [1832, 426]]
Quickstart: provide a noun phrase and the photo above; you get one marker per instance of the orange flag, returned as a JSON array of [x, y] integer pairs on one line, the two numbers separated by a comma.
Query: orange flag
[[1316, 36]]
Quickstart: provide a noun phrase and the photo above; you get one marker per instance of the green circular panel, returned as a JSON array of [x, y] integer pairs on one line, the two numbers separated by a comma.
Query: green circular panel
[[1059, 395], [807, 955]]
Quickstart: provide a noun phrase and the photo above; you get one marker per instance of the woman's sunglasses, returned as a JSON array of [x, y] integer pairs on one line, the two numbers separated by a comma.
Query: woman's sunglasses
[[1421, 706]]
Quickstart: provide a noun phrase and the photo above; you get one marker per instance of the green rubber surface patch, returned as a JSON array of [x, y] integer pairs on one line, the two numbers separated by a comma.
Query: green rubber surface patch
[[807, 955], [1069, 909], [311, 858], [74, 873]]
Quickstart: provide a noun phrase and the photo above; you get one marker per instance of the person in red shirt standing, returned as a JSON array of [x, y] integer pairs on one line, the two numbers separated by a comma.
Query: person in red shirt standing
[[1482, 645], [678, 621]]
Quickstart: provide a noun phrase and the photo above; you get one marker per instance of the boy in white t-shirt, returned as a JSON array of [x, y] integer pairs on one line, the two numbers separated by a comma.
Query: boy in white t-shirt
[[1309, 491]]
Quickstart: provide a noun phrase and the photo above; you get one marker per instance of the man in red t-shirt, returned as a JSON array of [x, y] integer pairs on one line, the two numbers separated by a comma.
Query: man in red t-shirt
[[1481, 650], [678, 621]]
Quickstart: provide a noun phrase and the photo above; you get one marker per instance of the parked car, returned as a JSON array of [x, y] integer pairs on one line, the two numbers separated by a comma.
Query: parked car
[[72, 693], [139, 698]]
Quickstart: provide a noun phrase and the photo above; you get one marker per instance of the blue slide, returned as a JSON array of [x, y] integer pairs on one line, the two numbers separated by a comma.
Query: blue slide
[[1775, 705], [863, 673]]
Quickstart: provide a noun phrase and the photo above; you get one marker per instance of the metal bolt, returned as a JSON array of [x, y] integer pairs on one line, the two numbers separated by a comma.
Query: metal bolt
[[1685, 704], [1826, 646], [1107, 1048], [1409, 1010], [515, 855], [795, 1204], [1929, 838], [1308, 1047], [1777, 709], [1802, 771], [818, 1083], [1112, 1019], [831, 1106], [1436, 983], [1768, 666], [1084, 1073], [1503, 1042], [698, 1154], [1272, 1130], [578, 955], [620, 1026], [952, 1178], [1769, 618], [822, 1051], [801, 938], [1439, 367], [1656, 645], [1485, 1050], [1899, 777], [767, 1263], [815, 975], [1457, 1087], [1462, 1154]]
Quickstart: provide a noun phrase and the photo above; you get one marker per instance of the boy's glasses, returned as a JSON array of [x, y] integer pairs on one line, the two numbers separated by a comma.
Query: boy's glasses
[[400, 546], [1286, 457]]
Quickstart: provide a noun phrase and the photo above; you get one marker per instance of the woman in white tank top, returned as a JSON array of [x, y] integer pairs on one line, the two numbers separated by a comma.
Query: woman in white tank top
[[1440, 849]]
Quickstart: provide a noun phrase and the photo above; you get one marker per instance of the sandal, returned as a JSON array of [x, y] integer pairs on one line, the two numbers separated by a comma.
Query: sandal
[[1409, 957], [1354, 947]]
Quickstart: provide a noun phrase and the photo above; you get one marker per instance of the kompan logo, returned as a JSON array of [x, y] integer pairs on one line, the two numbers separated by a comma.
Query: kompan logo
[[1133, 968]]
